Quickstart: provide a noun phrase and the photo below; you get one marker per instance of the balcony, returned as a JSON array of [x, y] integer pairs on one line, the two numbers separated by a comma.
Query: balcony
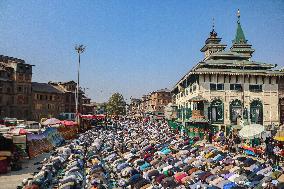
[[198, 114]]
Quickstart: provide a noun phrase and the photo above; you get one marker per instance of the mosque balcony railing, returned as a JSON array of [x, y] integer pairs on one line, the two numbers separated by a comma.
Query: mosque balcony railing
[[198, 114]]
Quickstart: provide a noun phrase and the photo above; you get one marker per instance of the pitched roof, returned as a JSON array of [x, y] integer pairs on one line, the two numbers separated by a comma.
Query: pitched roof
[[44, 88], [6, 59]]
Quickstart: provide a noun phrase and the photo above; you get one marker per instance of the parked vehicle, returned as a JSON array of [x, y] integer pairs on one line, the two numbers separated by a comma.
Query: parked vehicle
[[67, 116]]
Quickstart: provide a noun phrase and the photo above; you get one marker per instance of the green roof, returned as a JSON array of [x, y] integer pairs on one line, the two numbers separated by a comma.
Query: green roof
[[240, 36], [236, 63], [237, 71]]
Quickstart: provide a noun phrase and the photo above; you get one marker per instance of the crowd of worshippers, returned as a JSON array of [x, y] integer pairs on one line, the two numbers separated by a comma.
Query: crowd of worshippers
[[149, 155], [266, 148]]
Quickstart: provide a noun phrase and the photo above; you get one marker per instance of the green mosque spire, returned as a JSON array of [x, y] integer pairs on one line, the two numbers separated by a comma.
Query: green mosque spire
[[240, 36]]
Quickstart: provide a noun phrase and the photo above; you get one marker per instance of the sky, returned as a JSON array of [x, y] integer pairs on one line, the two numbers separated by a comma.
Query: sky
[[132, 46]]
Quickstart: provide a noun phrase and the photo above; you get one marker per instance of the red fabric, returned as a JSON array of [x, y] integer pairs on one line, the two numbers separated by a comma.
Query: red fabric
[[160, 178], [23, 132], [68, 123], [20, 131], [3, 166], [98, 116], [248, 148], [180, 176], [34, 186], [282, 153]]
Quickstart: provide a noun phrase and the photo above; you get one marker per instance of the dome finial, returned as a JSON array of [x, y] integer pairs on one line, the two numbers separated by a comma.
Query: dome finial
[[238, 15], [213, 34]]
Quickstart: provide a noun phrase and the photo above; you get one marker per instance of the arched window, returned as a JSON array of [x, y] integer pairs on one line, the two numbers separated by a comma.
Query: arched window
[[256, 112], [217, 111], [235, 110]]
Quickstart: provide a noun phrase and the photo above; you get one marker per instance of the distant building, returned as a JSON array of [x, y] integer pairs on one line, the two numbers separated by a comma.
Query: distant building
[[87, 106], [15, 88], [47, 101], [145, 104], [69, 90], [158, 100], [134, 107]]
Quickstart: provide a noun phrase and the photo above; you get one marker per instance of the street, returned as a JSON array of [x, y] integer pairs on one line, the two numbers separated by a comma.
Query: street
[[13, 179]]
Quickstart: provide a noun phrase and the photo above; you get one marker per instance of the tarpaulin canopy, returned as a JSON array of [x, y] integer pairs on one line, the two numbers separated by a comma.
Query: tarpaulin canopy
[[251, 131], [280, 134], [51, 121]]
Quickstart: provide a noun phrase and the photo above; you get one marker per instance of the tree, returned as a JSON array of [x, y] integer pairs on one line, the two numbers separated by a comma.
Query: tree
[[116, 105]]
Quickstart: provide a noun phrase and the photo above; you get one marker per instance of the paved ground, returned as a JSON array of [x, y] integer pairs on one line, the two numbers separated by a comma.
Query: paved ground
[[14, 178]]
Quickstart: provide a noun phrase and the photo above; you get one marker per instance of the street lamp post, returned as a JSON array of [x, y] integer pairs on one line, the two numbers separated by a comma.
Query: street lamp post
[[79, 49]]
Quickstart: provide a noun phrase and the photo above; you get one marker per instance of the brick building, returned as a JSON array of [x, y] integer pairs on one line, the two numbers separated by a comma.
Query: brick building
[[47, 101], [69, 90], [69, 93], [87, 106], [144, 105], [15, 88], [158, 100]]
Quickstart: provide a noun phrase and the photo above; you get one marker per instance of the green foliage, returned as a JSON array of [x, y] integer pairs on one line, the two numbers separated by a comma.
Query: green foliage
[[116, 105]]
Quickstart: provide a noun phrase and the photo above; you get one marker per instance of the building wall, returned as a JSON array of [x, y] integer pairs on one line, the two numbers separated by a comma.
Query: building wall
[[69, 102], [69, 89], [6, 98], [17, 98], [158, 101], [281, 99], [268, 96], [47, 105], [23, 95]]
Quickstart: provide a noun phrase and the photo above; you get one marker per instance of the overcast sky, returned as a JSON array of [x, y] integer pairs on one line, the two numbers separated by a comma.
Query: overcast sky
[[133, 46]]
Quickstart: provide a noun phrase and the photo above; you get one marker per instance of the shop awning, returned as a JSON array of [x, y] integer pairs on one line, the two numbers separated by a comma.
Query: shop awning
[[51, 121]]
